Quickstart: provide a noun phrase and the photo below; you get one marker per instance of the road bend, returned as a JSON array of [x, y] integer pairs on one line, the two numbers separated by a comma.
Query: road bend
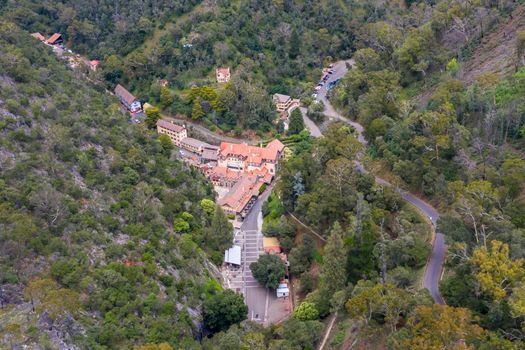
[[434, 267]]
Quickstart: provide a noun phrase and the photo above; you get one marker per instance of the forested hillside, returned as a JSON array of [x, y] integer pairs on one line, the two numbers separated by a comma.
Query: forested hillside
[[101, 232], [270, 47], [106, 239]]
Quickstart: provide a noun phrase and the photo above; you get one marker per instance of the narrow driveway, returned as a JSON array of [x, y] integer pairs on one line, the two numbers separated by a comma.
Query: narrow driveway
[[314, 129], [434, 268]]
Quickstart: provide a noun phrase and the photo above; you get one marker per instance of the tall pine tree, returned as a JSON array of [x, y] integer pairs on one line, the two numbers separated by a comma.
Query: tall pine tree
[[296, 122], [220, 235], [333, 271]]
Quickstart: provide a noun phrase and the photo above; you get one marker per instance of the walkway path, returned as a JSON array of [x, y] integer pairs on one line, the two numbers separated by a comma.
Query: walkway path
[[434, 267]]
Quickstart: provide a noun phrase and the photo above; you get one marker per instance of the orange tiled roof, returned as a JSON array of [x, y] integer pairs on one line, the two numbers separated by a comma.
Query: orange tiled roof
[[240, 194], [223, 71], [276, 144], [54, 38], [252, 154]]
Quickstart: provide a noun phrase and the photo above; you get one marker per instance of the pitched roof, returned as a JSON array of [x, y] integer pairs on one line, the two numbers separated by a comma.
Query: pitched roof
[[94, 63], [281, 98], [193, 142], [54, 38], [219, 172], [222, 71], [169, 125], [38, 36], [240, 194], [252, 154], [124, 94], [209, 154], [275, 144]]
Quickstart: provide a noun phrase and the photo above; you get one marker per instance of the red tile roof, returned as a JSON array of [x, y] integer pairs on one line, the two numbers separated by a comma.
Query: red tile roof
[[240, 194], [54, 38], [253, 154], [275, 144], [169, 125], [94, 63], [222, 72]]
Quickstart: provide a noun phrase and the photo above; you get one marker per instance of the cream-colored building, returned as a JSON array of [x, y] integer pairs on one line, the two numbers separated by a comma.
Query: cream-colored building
[[282, 102], [175, 132]]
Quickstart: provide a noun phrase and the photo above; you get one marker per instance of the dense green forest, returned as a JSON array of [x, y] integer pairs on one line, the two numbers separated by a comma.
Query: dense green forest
[[101, 230], [270, 46], [107, 241]]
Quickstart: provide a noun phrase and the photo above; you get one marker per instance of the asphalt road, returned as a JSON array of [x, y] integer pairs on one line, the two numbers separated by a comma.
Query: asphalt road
[[434, 268], [256, 296], [312, 127]]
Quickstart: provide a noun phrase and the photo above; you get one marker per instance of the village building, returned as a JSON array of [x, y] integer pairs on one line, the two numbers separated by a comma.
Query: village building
[[271, 245], [222, 75], [55, 39], [210, 155], [223, 177], [175, 132], [232, 256], [93, 64], [129, 101], [282, 102], [193, 145], [163, 82], [241, 198], [243, 157], [38, 36]]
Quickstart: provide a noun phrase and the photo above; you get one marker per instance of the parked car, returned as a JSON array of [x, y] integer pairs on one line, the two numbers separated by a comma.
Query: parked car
[[331, 72], [331, 65]]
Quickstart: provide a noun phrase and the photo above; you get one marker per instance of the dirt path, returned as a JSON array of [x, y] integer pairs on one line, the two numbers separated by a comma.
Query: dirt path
[[328, 330]]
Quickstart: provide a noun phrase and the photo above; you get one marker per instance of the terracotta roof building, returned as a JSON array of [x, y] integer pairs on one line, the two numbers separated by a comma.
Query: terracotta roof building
[[93, 64], [243, 157], [55, 39], [129, 101], [175, 132], [241, 197], [222, 75]]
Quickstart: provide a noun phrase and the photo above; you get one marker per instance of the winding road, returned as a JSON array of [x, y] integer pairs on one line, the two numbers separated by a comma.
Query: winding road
[[434, 267]]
